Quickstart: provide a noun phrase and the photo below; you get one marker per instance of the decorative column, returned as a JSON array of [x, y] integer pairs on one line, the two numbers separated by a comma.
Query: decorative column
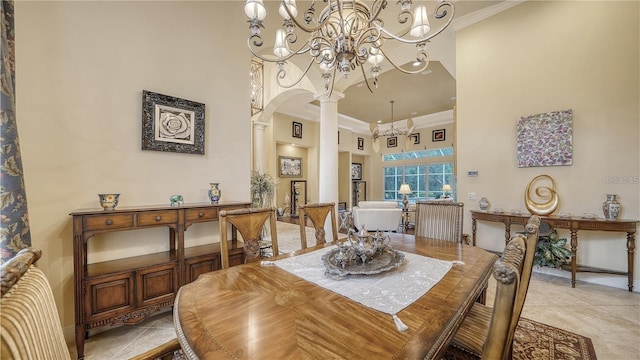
[[258, 146], [328, 158]]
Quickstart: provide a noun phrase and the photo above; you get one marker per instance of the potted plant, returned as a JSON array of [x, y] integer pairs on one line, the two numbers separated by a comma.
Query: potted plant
[[551, 251], [263, 189]]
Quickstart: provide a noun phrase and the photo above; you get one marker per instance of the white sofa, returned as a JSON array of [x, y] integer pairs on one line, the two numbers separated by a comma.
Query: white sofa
[[377, 215]]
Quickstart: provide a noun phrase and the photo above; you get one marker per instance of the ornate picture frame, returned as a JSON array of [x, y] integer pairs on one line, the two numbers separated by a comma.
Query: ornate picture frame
[[360, 143], [356, 171], [415, 138], [172, 124], [290, 166]]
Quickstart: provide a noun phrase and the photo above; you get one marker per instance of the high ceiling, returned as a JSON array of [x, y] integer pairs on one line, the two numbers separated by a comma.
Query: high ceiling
[[432, 91]]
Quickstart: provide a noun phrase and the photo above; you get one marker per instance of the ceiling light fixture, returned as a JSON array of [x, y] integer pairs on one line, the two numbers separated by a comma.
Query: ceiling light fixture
[[390, 132], [345, 35]]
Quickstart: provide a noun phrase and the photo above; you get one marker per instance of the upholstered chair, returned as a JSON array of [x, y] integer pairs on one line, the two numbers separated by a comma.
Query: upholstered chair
[[317, 213], [31, 327], [249, 223], [440, 220]]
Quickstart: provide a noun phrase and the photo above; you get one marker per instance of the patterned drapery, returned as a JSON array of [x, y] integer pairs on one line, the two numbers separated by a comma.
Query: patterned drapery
[[14, 217]]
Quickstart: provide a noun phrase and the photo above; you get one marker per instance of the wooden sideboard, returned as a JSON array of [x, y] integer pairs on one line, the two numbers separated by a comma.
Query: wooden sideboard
[[573, 224], [126, 291]]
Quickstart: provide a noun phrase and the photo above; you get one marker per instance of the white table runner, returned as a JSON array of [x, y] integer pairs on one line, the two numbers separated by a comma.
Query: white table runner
[[389, 292]]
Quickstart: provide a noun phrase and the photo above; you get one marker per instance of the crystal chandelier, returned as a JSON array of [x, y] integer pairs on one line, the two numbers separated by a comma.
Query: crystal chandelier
[[344, 36]]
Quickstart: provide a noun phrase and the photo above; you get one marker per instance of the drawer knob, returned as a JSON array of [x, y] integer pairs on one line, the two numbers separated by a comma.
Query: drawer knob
[[109, 222], [158, 218], [201, 214]]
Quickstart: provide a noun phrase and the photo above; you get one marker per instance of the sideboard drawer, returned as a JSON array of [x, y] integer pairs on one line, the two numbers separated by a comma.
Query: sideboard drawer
[[202, 214], [150, 218], [108, 221]]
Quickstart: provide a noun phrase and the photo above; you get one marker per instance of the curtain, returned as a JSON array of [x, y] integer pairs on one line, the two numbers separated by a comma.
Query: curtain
[[14, 218]]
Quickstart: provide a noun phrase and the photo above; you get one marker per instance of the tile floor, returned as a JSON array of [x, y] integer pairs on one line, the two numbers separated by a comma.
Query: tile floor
[[609, 316]]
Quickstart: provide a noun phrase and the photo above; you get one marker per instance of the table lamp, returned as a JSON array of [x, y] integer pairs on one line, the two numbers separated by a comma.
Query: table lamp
[[404, 190], [445, 189]]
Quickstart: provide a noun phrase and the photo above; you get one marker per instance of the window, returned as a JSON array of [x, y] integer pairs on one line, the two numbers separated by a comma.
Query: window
[[425, 171]]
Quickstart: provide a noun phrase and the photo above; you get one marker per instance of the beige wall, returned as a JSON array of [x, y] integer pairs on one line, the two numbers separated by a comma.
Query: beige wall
[[544, 56], [81, 69]]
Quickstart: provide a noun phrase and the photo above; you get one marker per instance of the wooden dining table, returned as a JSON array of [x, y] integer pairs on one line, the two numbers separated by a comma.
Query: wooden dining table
[[260, 311]]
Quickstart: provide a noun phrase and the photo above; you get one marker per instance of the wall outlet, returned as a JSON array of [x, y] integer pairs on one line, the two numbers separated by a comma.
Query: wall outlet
[[471, 196]]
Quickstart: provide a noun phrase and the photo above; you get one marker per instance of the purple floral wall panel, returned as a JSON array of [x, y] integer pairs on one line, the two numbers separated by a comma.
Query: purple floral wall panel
[[545, 139]]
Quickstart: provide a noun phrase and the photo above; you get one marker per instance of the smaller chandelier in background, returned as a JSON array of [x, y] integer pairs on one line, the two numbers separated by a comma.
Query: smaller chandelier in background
[[344, 35], [376, 133]]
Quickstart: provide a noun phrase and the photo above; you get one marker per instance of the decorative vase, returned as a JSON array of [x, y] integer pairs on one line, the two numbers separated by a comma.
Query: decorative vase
[[215, 192], [484, 203], [109, 201], [611, 207]]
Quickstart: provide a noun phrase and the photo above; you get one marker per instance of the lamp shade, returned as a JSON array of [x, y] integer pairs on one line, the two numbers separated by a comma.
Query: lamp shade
[[404, 189], [446, 187], [254, 9], [280, 48], [420, 25]]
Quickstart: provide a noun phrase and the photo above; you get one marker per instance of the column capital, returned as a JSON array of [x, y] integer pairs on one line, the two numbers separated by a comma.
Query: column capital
[[260, 125], [335, 96]]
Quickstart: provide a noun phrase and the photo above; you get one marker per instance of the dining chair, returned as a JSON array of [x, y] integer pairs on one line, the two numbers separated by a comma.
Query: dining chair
[[440, 220], [317, 213], [249, 223], [488, 332]]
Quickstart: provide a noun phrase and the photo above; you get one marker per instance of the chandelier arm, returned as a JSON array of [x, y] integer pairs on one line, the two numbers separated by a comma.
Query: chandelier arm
[[282, 73], [422, 56], [366, 80], [274, 59], [309, 16], [432, 35], [377, 6]]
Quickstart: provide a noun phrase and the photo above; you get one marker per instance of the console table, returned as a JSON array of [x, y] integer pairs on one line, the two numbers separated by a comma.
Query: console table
[[573, 224], [127, 290]]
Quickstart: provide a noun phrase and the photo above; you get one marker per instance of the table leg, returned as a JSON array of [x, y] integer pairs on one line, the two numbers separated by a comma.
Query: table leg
[[631, 245], [574, 252], [473, 231]]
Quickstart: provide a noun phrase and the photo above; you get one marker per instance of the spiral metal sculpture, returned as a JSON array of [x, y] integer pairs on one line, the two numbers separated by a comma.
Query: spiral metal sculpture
[[547, 194]]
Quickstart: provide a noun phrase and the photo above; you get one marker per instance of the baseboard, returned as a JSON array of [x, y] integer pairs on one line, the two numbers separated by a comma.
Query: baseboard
[[614, 281]]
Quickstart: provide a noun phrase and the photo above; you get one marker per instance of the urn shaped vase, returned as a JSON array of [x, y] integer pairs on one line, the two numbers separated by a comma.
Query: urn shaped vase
[[611, 207], [215, 192]]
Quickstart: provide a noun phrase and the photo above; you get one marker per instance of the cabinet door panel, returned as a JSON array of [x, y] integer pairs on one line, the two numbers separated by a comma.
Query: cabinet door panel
[[156, 284], [201, 265], [108, 296]]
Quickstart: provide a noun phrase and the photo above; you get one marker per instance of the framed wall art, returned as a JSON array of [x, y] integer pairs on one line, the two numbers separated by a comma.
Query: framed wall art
[[415, 138], [392, 141], [545, 139], [360, 143], [172, 124], [296, 130], [438, 135], [290, 166], [356, 171]]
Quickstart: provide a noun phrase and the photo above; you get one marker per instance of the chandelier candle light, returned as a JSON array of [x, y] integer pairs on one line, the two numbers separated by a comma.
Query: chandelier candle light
[[344, 35]]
